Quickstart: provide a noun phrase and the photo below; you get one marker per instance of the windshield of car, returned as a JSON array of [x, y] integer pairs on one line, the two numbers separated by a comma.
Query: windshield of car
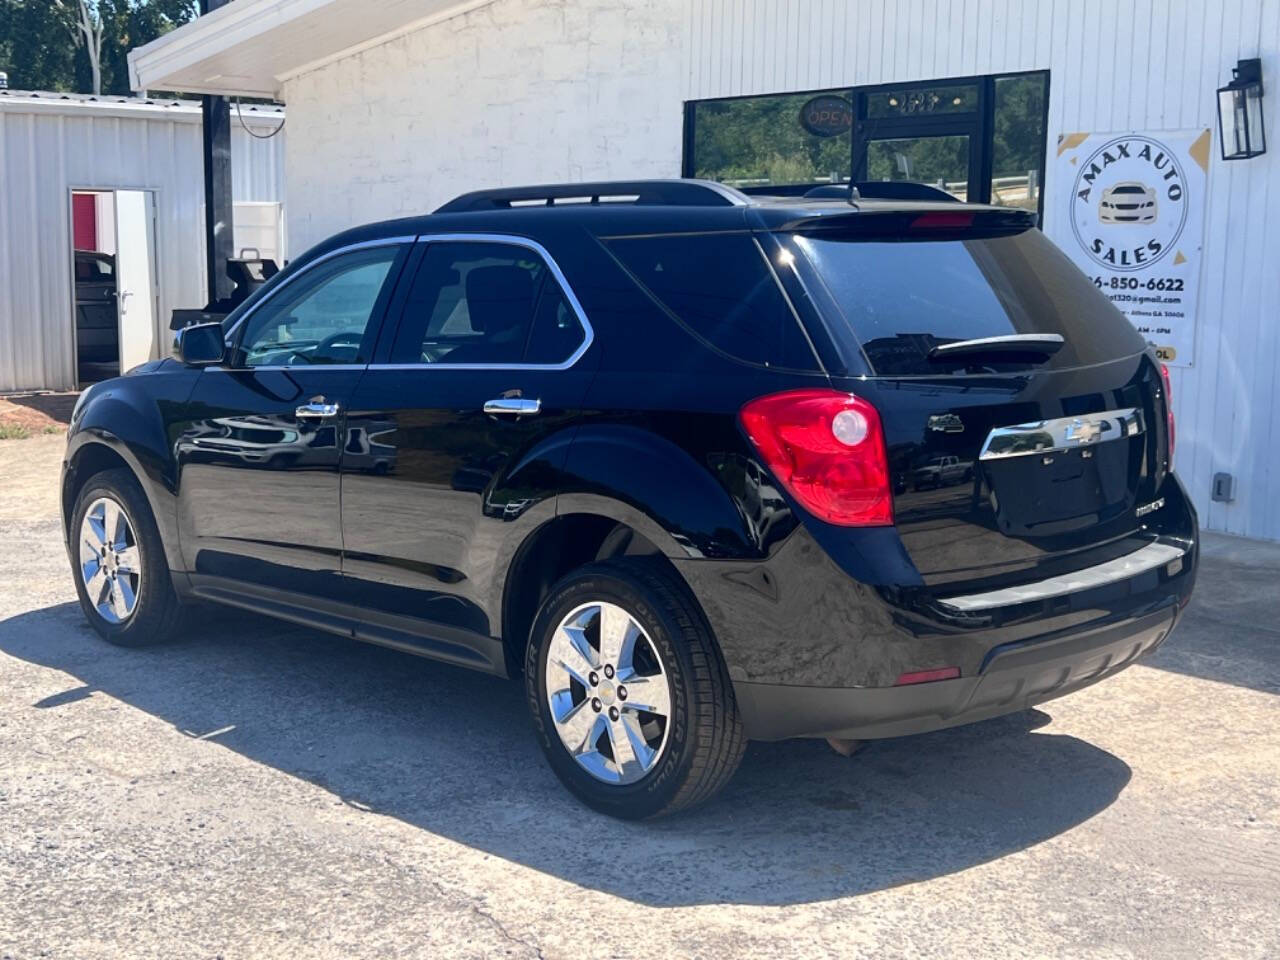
[[897, 297], [1129, 188]]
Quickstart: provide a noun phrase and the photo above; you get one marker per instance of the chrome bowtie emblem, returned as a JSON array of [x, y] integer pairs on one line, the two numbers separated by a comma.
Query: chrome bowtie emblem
[[1082, 431]]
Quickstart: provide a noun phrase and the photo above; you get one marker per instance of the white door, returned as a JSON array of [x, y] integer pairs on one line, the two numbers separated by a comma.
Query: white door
[[135, 276]]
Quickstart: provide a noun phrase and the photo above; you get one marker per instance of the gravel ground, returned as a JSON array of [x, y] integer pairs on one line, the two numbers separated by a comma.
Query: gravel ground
[[254, 789], [30, 413]]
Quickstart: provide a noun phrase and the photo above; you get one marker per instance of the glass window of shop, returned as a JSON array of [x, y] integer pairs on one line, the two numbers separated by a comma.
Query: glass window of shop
[[975, 138]]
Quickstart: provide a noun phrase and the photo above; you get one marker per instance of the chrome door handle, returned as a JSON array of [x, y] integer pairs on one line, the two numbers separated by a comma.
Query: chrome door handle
[[317, 408], [517, 405]]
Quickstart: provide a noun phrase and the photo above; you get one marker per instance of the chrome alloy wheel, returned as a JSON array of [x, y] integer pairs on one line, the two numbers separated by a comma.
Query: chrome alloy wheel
[[109, 561], [609, 695]]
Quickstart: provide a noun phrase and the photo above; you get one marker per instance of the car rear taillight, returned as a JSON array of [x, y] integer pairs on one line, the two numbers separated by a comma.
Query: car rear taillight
[[1168, 409], [827, 449]]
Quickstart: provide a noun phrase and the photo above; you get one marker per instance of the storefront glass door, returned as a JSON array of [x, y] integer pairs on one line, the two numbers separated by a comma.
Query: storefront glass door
[[924, 133], [940, 161]]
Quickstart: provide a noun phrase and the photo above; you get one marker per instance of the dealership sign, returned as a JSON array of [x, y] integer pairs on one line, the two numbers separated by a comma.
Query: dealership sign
[[1136, 207]]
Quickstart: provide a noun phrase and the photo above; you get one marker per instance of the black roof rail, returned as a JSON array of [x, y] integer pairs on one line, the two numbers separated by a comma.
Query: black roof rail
[[672, 193]]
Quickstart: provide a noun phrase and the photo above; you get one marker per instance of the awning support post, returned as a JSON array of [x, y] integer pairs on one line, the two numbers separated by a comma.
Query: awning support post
[[218, 217]]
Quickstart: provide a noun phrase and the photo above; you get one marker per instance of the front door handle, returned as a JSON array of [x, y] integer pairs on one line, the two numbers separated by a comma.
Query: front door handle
[[317, 409], [509, 405]]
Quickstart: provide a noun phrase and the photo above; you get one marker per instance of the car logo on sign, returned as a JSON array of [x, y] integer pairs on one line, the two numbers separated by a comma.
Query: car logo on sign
[[1129, 203]]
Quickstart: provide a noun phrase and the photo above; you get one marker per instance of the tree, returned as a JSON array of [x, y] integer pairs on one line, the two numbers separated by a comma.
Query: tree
[[131, 24], [36, 47], [55, 44], [88, 34]]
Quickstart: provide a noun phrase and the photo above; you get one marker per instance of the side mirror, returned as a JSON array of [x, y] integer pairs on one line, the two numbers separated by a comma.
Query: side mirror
[[200, 345]]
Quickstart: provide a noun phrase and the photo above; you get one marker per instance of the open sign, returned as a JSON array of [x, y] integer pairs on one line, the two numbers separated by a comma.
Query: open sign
[[827, 115]]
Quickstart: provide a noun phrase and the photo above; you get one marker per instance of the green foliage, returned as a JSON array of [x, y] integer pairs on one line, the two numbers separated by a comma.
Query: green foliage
[[761, 139], [41, 49], [1018, 144], [37, 46], [925, 160]]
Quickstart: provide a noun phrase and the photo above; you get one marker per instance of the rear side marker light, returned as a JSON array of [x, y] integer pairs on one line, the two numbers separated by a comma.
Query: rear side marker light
[[1168, 408], [827, 450], [927, 676]]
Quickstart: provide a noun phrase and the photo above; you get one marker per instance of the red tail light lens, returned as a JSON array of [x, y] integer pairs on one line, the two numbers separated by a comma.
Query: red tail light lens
[[1168, 407], [827, 449]]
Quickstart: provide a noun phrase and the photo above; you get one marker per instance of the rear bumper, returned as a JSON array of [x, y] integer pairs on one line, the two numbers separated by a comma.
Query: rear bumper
[[1014, 676]]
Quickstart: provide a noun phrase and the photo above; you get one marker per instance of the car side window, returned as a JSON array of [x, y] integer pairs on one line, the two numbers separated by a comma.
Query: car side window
[[324, 316], [719, 287], [484, 304], [557, 332]]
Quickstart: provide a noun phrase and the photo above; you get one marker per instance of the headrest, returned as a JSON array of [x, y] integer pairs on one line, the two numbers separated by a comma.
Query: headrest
[[499, 298]]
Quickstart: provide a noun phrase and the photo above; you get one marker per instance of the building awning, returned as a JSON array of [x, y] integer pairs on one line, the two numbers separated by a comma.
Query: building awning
[[250, 47]]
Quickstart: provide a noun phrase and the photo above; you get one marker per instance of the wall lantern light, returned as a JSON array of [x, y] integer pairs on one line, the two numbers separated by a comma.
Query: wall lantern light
[[1240, 113]]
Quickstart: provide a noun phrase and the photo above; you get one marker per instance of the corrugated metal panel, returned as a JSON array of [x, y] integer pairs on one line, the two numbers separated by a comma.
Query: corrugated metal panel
[[1118, 66], [49, 147]]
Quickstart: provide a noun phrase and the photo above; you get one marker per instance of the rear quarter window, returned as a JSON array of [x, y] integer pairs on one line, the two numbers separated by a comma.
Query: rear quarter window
[[720, 289]]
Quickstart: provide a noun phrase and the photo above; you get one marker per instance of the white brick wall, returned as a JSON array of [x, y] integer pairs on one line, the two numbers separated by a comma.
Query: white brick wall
[[519, 91]]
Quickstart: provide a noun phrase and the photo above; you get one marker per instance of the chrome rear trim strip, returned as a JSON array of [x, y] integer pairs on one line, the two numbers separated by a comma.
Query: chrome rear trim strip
[[1150, 557], [1064, 433]]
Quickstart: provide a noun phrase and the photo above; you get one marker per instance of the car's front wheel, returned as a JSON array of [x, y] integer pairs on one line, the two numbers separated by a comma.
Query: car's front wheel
[[630, 698], [121, 575]]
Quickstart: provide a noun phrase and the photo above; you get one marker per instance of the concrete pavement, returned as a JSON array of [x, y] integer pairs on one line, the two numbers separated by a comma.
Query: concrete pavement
[[254, 789]]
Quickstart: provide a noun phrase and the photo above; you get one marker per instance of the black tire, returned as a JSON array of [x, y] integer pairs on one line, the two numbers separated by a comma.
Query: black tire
[[157, 611], [704, 735]]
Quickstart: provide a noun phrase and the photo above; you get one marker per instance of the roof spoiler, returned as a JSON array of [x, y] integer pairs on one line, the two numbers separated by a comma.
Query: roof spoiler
[[919, 220]]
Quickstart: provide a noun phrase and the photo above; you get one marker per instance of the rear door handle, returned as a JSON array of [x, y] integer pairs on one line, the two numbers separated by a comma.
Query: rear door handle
[[509, 405], [317, 409]]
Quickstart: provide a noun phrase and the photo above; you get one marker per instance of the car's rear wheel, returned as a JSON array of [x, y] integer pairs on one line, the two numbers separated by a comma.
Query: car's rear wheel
[[121, 576], [631, 700]]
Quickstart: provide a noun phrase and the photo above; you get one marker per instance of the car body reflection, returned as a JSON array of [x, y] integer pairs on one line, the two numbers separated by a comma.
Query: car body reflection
[[941, 471], [258, 441]]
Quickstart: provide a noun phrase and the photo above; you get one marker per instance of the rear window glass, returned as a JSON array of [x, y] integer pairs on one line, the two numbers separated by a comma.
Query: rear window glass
[[899, 298], [719, 287]]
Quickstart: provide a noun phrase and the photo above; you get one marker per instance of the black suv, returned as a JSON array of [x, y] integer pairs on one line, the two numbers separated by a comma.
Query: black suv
[[646, 444]]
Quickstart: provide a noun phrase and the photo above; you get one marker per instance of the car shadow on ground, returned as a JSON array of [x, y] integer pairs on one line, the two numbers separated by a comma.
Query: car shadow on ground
[[452, 752]]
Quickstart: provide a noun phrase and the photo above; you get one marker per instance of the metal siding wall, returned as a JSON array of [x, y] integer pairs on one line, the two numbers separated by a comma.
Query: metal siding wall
[[1117, 65], [47, 150]]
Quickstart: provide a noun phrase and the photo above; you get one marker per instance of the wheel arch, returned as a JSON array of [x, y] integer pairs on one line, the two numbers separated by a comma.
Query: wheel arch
[[94, 450], [558, 546]]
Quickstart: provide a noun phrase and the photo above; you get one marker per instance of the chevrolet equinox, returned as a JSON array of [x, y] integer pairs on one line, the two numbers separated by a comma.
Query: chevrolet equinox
[[644, 445]]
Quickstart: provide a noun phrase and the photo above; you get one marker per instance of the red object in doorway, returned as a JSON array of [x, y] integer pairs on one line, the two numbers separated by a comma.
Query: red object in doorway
[[84, 221]]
